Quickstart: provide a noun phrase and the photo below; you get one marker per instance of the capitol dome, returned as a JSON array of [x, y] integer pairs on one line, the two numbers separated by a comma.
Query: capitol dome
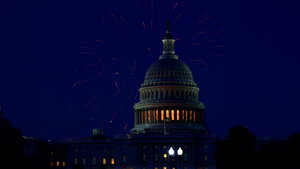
[[169, 96]]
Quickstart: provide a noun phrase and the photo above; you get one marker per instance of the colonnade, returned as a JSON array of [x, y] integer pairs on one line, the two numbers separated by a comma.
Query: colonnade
[[169, 93], [152, 115]]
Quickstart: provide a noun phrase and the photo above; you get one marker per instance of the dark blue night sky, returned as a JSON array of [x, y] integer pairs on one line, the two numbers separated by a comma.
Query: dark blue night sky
[[68, 67]]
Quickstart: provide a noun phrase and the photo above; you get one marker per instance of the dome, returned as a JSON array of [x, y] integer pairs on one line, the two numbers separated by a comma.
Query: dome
[[169, 69], [169, 94]]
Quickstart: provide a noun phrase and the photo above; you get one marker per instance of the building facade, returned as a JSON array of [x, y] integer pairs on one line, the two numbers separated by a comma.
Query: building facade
[[169, 130]]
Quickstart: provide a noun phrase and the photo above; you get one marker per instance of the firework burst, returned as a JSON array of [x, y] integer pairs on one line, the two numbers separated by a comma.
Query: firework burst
[[128, 41]]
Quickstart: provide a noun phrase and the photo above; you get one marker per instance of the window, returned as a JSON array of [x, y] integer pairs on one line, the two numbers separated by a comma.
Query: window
[[156, 115], [64, 163], [172, 115], [84, 161], [162, 114], [156, 157], [185, 157], [164, 167], [94, 160], [165, 157], [144, 157], [206, 157], [57, 163], [104, 161], [75, 161], [112, 161], [51, 164], [177, 115], [183, 115], [124, 158], [167, 114]]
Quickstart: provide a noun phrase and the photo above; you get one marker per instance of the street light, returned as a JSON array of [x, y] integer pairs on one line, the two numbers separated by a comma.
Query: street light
[[175, 157]]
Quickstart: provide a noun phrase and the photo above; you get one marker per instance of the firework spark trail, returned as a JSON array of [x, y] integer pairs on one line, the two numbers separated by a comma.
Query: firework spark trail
[[200, 21], [178, 17], [97, 40], [123, 19], [216, 33], [151, 24], [102, 65], [85, 80], [108, 21], [124, 128], [122, 104], [199, 34], [117, 85], [152, 7], [210, 41], [136, 96], [89, 65], [88, 89], [199, 61], [115, 17], [123, 37], [134, 67], [175, 6], [182, 4], [90, 101]]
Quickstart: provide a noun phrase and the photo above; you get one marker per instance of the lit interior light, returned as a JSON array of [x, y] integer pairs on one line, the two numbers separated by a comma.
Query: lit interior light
[[179, 151], [171, 151]]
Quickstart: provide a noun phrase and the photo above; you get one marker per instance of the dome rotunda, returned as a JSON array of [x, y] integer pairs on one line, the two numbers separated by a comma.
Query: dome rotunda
[[169, 96]]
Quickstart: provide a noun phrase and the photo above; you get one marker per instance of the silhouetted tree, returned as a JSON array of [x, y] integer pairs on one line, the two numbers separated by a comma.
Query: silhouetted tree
[[11, 145], [77, 166], [238, 151]]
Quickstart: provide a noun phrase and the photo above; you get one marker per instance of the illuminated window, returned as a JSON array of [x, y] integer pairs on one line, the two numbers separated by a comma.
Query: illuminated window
[[206, 157], [177, 115], [75, 161], [162, 115], [172, 115], [94, 160], [156, 157], [186, 115], [148, 116], [51, 153], [167, 114], [185, 157], [194, 116], [191, 115], [183, 115], [57, 163], [64, 163], [112, 160], [144, 157], [164, 167], [51, 164], [144, 120], [84, 161], [156, 115], [104, 161]]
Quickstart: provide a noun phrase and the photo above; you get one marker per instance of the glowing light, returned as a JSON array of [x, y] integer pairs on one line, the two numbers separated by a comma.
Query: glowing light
[[165, 155], [171, 151], [179, 151]]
